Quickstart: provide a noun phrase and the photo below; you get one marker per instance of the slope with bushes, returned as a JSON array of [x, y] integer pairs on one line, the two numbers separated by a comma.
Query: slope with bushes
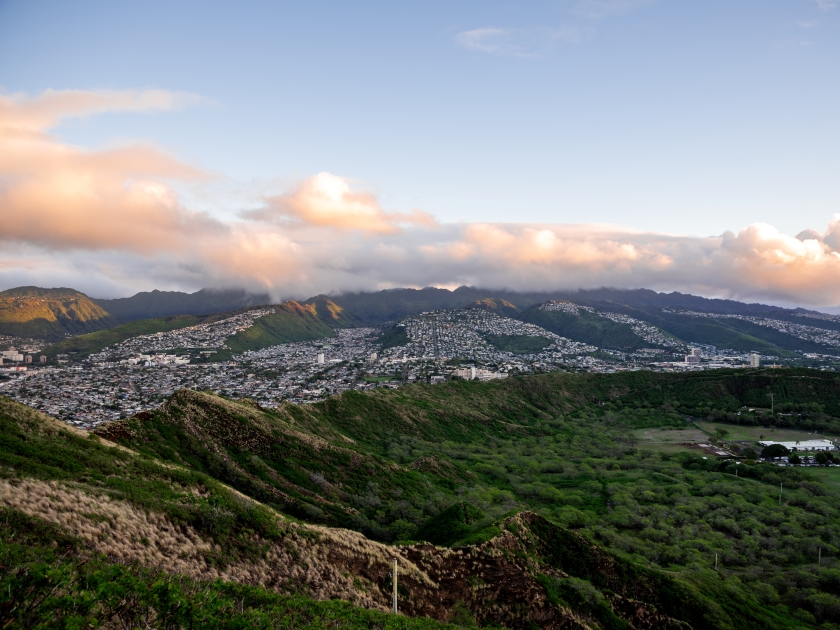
[[100, 534]]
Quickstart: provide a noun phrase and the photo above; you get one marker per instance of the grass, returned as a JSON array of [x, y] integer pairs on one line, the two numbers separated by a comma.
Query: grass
[[518, 344], [290, 322], [829, 476], [753, 434]]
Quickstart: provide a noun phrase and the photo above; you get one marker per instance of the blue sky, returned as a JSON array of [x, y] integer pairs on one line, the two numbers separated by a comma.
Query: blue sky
[[683, 117], [662, 116]]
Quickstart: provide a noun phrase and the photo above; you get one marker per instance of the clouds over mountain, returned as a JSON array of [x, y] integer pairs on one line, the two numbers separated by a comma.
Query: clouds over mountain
[[114, 219]]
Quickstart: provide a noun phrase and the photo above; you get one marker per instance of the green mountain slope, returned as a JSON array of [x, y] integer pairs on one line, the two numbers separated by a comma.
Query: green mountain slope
[[562, 446], [85, 345], [730, 333], [289, 322], [50, 313], [586, 327], [99, 535]]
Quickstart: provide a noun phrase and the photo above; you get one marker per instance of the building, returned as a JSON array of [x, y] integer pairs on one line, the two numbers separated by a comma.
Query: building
[[472, 373], [28, 358], [434, 380], [694, 357], [320, 358], [43, 359], [12, 355], [804, 445], [755, 360]]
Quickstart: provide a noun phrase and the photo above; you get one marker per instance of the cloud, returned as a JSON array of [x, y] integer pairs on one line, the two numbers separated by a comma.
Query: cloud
[[114, 219], [38, 113], [597, 9], [63, 197], [327, 200], [826, 5], [515, 42]]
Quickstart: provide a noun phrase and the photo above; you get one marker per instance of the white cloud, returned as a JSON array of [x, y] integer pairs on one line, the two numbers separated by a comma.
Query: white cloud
[[109, 219], [826, 5], [517, 42]]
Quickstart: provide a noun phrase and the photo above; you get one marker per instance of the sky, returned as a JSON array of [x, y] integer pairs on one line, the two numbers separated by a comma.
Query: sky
[[300, 148]]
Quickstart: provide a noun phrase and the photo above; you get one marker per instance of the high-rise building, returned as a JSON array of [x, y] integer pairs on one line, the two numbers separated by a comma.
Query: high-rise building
[[320, 358], [28, 358], [43, 359], [755, 360], [694, 357]]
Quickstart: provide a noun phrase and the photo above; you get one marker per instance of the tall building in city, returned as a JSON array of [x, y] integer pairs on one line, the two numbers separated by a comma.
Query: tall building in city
[[755, 360], [320, 358], [694, 357]]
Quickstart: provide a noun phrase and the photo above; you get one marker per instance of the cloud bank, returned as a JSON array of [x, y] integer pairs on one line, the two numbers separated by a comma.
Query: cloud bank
[[111, 222]]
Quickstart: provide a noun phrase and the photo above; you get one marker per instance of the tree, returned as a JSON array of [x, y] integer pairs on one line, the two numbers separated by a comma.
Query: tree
[[774, 450], [721, 432], [795, 459], [821, 458], [749, 453]]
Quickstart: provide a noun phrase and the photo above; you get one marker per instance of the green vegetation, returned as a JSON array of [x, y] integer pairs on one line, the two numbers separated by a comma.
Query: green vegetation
[[290, 322], [704, 540], [393, 337], [518, 344], [586, 327], [45, 583], [50, 313], [91, 343]]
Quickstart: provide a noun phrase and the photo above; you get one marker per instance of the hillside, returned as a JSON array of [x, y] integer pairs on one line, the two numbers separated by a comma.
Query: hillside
[[108, 525], [85, 345], [50, 313], [586, 327], [447, 462], [290, 321]]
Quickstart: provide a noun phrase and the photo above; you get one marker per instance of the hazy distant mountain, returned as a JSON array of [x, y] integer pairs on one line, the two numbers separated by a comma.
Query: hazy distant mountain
[[150, 304]]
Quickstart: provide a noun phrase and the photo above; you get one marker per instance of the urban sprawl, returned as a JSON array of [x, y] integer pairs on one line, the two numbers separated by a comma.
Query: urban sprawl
[[142, 372]]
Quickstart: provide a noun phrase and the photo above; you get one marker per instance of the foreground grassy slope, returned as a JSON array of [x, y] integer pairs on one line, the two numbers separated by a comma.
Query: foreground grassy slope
[[95, 534], [562, 446]]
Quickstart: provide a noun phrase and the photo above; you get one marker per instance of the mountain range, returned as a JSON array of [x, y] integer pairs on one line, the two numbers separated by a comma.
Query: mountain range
[[56, 314]]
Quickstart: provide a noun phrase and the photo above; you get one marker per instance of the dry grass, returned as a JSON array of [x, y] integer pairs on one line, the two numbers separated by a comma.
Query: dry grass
[[315, 558]]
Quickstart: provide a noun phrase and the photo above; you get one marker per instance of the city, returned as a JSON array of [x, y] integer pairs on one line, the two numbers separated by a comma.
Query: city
[[142, 372]]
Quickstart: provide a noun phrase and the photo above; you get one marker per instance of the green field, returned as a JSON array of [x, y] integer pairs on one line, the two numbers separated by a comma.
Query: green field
[[743, 434], [830, 476]]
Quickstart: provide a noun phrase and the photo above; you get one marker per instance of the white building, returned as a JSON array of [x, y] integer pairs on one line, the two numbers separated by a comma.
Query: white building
[[12, 355], [755, 360], [805, 445], [320, 358], [472, 373]]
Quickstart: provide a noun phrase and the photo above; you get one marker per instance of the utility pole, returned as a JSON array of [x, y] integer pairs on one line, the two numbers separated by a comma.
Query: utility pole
[[780, 495], [394, 581]]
